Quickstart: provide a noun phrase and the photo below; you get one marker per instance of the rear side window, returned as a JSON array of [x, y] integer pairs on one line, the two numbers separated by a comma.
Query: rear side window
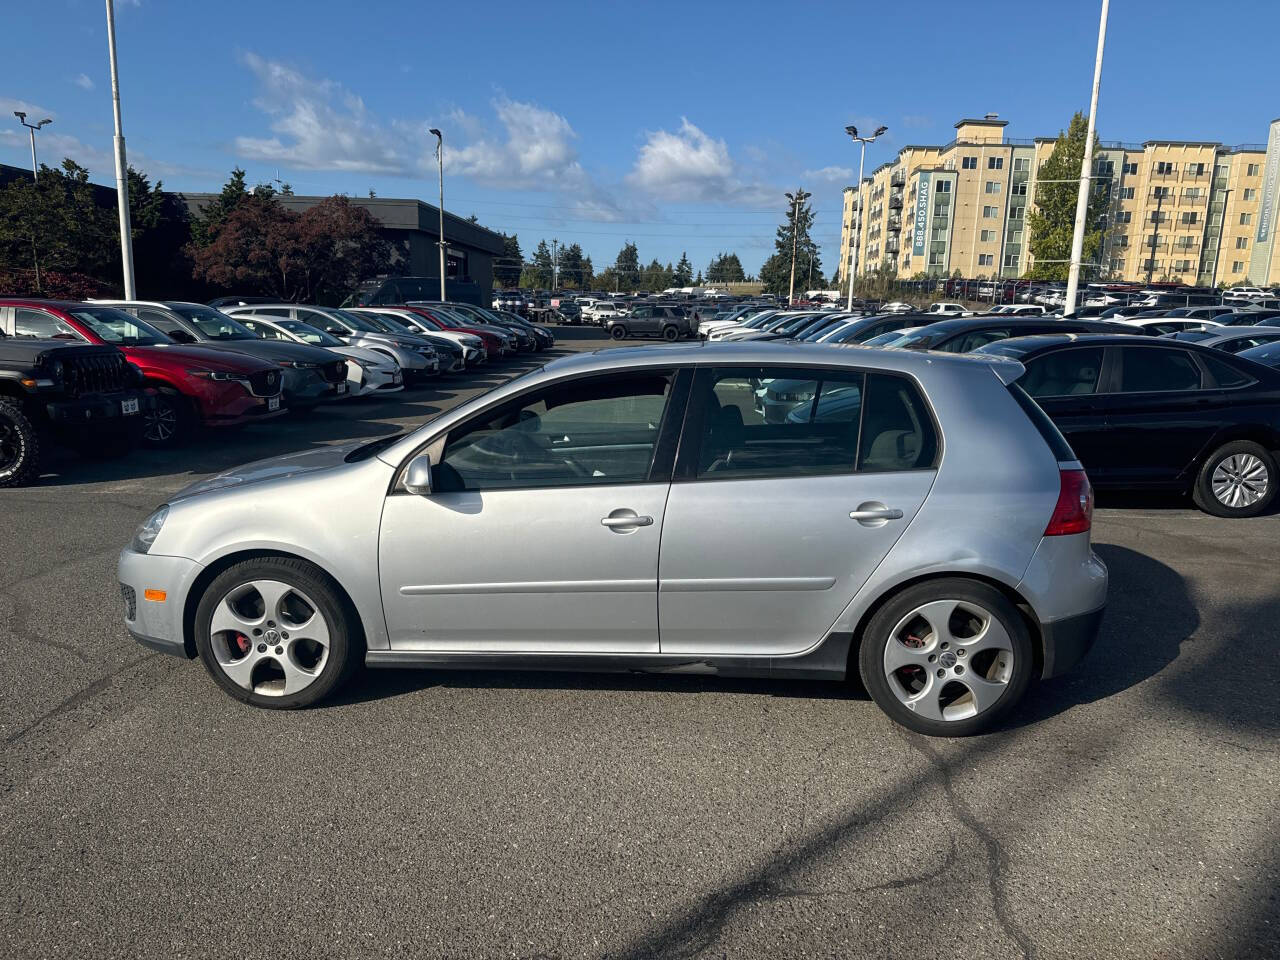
[[1048, 431], [974, 340], [897, 430], [1224, 374], [1064, 373], [1157, 370]]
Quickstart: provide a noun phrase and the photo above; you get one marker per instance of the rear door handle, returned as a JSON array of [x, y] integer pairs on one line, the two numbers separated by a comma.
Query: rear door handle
[[626, 521], [874, 513]]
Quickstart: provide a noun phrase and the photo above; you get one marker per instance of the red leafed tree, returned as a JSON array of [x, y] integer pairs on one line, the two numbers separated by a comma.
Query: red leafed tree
[[316, 257]]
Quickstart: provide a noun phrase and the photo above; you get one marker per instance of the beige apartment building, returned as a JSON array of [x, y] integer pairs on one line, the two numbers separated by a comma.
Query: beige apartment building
[[1193, 213]]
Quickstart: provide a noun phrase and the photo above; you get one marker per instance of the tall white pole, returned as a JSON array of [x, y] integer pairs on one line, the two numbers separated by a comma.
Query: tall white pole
[[1086, 163], [857, 234], [440, 156], [122, 180], [35, 170]]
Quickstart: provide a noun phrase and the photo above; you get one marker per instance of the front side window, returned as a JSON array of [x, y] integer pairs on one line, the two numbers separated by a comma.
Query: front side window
[[583, 432], [1064, 373], [119, 328], [41, 325], [1157, 370]]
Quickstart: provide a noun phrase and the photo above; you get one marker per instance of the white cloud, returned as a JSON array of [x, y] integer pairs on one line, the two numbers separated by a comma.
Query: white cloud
[[831, 174], [83, 81], [535, 150], [689, 166], [52, 147], [34, 113], [319, 125]]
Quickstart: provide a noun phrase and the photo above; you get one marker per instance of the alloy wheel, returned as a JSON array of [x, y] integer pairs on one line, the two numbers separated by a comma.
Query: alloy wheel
[[10, 447], [269, 638], [1240, 480], [949, 660], [161, 423]]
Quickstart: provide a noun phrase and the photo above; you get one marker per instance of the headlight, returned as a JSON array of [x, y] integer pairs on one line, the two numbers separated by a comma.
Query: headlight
[[220, 375], [149, 529], [298, 364]]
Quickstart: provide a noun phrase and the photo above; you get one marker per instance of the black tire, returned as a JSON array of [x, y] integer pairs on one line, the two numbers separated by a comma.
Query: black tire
[[618, 332], [972, 595], [671, 334], [346, 649], [19, 446], [169, 422], [1259, 470]]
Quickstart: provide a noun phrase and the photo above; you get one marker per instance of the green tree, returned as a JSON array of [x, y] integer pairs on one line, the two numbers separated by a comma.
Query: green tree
[[507, 268], [683, 274], [776, 272], [541, 267], [575, 269], [160, 226], [626, 268], [1052, 220], [654, 278], [212, 215], [725, 268]]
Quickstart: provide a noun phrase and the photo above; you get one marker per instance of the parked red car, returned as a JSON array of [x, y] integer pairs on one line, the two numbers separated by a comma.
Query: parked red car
[[494, 348], [194, 385]]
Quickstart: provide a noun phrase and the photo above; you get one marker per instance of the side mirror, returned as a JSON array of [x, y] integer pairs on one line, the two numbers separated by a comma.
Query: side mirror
[[417, 476], [181, 336]]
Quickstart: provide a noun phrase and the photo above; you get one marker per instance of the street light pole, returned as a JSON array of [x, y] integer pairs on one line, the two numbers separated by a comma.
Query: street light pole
[[1086, 163], [852, 131], [122, 180], [32, 128], [440, 159]]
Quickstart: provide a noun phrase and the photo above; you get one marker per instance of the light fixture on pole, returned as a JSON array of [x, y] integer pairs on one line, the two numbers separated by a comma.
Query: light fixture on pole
[[852, 131], [122, 181], [797, 198], [1086, 164], [33, 127], [440, 159]]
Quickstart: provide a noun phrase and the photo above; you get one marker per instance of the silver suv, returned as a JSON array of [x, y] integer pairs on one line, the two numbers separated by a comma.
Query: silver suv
[[913, 518]]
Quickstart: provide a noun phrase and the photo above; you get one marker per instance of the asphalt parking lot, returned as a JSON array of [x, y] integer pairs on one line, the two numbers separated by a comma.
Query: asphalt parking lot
[[1130, 809]]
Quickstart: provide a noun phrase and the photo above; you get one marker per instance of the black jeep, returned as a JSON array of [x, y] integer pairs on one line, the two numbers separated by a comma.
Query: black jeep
[[89, 397]]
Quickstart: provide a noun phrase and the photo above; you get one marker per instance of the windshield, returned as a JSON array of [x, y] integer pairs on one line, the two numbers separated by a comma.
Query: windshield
[[359, 321], [211, 323], [308, 333], [118, 327], [890, 339]]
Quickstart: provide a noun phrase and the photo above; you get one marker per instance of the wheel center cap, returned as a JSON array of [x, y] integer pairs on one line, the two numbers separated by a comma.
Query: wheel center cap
[[947, 659], [272, 636]]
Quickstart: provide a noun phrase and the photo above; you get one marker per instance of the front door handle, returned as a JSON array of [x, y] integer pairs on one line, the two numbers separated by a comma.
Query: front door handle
[[626, 520], [873, 513]]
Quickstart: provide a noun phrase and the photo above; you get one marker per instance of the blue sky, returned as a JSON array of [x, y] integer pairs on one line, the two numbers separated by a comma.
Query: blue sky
[[676, 125]]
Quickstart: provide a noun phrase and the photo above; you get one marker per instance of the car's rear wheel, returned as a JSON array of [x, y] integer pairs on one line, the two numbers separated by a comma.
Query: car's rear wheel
[[277, 633], [670, 333], [617, 332], [19, 446], [947, 658], [1236, 480]]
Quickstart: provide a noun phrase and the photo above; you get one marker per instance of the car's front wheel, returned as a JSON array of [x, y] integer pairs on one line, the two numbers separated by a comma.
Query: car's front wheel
[[1237, 480], [19, 446], [168, 421], [947, 658], [277, 633], [671, 333], [618, 332]]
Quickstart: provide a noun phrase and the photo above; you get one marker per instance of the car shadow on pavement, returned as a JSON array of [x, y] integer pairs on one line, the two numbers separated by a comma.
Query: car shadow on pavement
[[1150, 614], [1149, 617]]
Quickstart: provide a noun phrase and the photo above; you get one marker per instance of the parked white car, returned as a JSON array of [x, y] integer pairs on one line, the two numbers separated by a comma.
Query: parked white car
[[945, 309], [473, 351], [368, 371]]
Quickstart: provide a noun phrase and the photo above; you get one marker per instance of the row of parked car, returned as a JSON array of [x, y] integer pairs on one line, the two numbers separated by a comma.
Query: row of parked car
[[1183, 400], [103, 376]]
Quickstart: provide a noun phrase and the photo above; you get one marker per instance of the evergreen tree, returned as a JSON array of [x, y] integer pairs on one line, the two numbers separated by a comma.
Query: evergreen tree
[[212, 215], [626, 267], [1051, 221], [725, 268], [574, 268], [541, 266], [160, 226], [507, 267], [683, 274], [776, 272]]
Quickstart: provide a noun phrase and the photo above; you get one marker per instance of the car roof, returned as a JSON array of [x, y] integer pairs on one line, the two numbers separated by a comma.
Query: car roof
[[962, 324], [1231, 333], [752, 352], [1025, 346]]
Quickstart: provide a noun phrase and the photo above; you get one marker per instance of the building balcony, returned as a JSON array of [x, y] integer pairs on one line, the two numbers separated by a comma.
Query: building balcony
[[891, 245], [895, 222], [895, 201], [898, 178], [1191, 174]]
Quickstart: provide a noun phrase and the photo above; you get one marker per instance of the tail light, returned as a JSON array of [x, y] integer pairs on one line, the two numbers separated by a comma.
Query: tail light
[[1073, 512]]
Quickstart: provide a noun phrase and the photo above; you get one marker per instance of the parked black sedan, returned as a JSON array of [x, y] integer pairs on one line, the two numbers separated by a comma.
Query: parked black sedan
[[1145, 413], [963, 334]]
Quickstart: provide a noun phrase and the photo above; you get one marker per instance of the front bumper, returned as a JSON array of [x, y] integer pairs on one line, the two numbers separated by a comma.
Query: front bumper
[[94, 409], [1067, 641], [157, 623]]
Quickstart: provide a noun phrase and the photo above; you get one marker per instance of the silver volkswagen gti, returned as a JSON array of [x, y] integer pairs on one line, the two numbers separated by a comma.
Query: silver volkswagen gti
[[915, 518]]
